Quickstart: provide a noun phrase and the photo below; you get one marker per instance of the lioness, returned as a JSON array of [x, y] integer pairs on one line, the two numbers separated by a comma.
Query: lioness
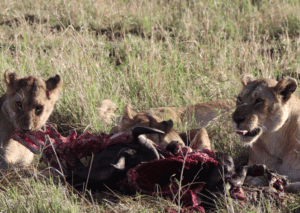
[[197, 138], [267, 118], [26, 106]]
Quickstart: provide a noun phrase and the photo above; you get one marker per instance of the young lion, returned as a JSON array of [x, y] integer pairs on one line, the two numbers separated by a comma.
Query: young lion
[[267, 118], [197, 138], [26, 106]]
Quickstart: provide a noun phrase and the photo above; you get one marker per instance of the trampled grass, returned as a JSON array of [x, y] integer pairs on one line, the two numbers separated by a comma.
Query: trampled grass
[[149, 53]]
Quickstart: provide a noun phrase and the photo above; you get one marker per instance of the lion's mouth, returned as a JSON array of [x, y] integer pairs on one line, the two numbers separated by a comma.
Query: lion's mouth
[[247, 133]]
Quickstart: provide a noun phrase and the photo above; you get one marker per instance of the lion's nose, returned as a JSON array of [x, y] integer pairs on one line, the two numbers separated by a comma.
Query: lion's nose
[[26, 128], [239, 120], [239, 116]]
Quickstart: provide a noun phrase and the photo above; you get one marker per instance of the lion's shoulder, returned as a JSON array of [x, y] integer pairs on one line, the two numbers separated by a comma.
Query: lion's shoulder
[[203, 113]]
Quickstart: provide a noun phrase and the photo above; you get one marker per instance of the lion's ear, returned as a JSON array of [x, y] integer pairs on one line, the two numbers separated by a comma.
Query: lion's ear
[[10, 78], [246, 79], [129, 112], [286, 87], [166, 126], [54, 85]]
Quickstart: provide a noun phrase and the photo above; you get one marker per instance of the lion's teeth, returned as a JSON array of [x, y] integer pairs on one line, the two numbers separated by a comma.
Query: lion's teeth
[[241, 132]]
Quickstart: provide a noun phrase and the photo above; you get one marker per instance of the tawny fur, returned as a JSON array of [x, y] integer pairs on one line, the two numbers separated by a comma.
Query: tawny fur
[[271, 107], [131, 119], [106, 111], [201, 114], [134, 119], [196, 138], [26, 106]]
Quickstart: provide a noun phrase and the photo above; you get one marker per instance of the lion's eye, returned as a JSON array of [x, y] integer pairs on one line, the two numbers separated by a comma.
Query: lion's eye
[[19, 104], [39, 108], [259, 101]]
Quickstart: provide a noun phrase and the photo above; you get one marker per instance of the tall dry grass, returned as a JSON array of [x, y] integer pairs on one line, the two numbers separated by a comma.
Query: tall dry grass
[[150, 53]]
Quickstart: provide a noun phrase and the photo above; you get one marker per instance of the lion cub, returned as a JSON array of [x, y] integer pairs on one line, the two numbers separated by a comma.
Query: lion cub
[[106, 111], [197, 138], [26, 106]]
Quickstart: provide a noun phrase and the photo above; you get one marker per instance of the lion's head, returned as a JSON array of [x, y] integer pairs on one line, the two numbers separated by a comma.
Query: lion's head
[[262, 107], [131, 119], [29, 101]]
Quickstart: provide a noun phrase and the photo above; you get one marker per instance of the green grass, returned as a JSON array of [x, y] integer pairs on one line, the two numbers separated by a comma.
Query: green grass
[[149, 53]]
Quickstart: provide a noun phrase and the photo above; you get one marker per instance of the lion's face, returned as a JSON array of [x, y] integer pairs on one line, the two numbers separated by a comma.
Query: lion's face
[[131, 119], [262, 106], [30, 101]]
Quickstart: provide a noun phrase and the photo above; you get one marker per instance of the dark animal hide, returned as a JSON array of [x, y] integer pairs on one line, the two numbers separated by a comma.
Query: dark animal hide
[[110, 166]]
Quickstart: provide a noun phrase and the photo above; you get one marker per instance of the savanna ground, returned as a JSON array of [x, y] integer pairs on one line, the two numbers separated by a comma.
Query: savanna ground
[[150, 53]]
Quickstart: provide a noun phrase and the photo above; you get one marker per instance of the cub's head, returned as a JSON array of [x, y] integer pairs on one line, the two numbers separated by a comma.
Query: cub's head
[[106, 111], [262, 106], [30, 100], [131, 119]]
